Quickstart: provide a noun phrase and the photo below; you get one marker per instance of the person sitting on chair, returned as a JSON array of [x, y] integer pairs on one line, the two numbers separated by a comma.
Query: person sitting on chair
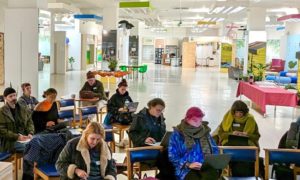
[[87, 157], [188, 145], [148, 126], [116, 104], [238, 121], [45, 114], [26, 99], [15, 123], [96, 88]]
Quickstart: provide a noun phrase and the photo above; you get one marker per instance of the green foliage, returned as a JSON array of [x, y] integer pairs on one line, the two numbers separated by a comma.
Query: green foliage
[[112, 64], [289, 87], [71, 60], [292, 64], [259, 70]]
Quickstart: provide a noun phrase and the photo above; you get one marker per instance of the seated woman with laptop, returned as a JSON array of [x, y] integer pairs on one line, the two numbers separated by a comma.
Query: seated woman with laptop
[[148, 127], [118, 105], [45, 114], [189, 144], [238, 126]]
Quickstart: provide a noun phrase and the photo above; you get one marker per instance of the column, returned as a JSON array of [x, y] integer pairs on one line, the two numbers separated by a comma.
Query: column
[[21, 43], [255, 33]]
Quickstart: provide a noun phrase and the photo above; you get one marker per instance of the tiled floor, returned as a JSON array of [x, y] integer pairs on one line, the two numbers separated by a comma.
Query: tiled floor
[[205, 87]]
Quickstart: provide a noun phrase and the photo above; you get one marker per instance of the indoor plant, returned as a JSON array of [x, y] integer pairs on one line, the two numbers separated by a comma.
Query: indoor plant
[[112, 64], [259, 70], [71, 61], [292, 64]]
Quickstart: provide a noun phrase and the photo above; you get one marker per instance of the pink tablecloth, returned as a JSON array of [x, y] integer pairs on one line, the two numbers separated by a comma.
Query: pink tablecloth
[[267, 96]]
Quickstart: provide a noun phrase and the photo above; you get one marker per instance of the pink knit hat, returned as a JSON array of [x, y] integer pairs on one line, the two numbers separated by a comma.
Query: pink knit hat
[[194, 116]]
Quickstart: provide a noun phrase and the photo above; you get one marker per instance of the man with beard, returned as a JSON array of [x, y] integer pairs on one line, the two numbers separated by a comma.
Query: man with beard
[[15, 123]]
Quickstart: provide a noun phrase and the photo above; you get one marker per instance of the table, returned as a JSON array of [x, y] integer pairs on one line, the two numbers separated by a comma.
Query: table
[[131, 68], [267, 96], [6, 171]]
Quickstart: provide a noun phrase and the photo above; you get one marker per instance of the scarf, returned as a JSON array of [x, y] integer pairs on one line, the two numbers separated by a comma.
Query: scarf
[[191, 133], [248, 120]]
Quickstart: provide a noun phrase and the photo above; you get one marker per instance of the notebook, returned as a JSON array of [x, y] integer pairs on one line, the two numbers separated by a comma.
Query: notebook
[[132, 106], [164, 142], [234, 140], [217, 161]]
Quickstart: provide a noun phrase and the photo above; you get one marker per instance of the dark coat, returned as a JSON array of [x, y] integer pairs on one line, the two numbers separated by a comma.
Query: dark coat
[[76, 155], [117, 101], [144, 125], [96, 88], [10, 127]]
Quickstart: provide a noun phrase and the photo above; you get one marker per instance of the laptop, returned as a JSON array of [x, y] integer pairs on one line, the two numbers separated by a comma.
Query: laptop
[[234, 140], [217, 161], [164, 142], [132, 106]]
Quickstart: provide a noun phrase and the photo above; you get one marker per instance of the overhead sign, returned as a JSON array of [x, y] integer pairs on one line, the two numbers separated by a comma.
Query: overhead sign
[[144, 4], [206, 23]]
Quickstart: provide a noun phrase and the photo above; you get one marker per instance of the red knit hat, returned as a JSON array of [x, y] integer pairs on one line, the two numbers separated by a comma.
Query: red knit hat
[[194, 116]]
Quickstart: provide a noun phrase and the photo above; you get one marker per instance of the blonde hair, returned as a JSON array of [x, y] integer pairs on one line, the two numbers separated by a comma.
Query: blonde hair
[[93, 128]]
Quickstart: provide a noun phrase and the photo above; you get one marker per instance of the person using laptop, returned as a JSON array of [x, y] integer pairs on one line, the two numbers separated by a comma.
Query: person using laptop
[[94, 88], [45, 114], [116, 104], [148, 126], [188, 146], [239, 122]]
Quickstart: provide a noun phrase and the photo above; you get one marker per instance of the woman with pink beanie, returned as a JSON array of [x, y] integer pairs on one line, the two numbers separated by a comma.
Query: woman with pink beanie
[[189, 144]]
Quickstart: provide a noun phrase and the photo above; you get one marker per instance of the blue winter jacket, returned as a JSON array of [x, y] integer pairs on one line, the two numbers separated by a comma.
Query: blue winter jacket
[[179, 155]]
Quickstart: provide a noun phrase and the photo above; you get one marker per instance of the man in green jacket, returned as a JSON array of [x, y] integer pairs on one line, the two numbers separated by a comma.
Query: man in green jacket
[[15, 123]]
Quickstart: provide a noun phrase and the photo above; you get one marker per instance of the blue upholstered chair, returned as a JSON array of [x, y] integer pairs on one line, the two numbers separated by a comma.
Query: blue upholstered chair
[[87, 111], [4, 156], [67, 111], [242, 154], [141, 154], [287, 156], [46, 172]]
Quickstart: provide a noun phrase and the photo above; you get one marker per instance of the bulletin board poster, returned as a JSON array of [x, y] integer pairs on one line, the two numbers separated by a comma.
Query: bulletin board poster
[[257, 54], [99, 55], [226, 55]]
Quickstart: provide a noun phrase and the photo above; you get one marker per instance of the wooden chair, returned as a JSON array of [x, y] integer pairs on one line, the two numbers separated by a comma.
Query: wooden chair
[[280, 156], [141, 154], [87, 111], [46, 172], [242, 153], [120, 129], [109, 138]]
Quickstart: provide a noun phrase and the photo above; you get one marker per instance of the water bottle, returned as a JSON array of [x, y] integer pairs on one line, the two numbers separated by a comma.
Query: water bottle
[[126, 104]]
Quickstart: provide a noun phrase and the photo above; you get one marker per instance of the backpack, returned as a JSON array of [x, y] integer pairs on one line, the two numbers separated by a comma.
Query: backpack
[[292, 139]]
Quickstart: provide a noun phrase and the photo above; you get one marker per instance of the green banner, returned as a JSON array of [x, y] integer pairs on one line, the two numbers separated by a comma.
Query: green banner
[[134, 4]]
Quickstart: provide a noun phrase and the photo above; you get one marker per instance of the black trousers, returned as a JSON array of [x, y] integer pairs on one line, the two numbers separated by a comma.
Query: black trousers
[[206, 173]]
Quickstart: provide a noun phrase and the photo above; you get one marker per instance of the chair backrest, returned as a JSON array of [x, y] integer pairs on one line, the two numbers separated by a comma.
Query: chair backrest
[[4, 156], [87, 111], [66, 102], [287, 156], [242, 153], [141, 154], [109, 138], [66, 114]]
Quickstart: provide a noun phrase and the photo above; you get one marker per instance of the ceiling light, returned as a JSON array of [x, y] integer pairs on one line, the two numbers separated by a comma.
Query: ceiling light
[[217, 10], [220, 19], [203, 10], [236, 10], [227, 10], [286, 10]]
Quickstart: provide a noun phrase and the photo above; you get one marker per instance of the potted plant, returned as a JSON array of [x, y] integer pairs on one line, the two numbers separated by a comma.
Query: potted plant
[[292, 64], [259, 70], [71, 61], [112, 64]]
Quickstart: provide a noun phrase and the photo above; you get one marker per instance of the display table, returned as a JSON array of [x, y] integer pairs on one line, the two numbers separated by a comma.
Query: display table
[[6, 171], [267, 96]]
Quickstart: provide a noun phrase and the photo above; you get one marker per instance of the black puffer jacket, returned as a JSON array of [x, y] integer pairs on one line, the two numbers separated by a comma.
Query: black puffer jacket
[[117, 101], [144, 125]]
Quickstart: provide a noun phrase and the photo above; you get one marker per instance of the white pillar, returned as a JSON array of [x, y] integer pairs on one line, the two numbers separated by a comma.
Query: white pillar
[[60, 58], [21, 43], [52, 53]]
